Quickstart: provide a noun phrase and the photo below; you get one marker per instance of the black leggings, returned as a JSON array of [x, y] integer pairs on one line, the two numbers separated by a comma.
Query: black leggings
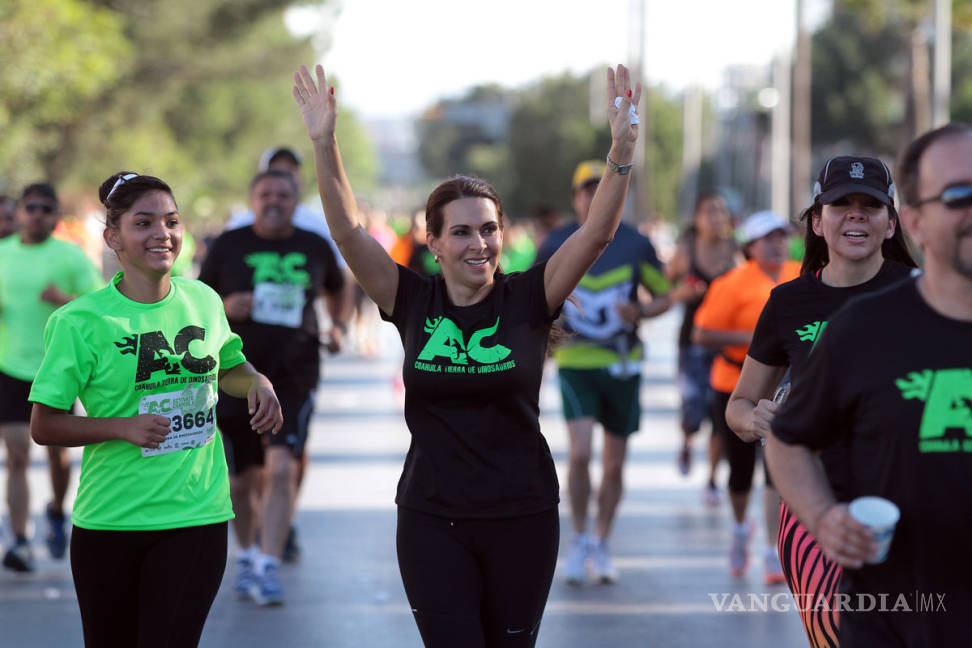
[[147, 589], [477, 583], [741, 454]]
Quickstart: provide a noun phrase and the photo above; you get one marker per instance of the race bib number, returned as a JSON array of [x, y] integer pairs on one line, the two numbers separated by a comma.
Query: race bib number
[[192, 412], [280, 304]]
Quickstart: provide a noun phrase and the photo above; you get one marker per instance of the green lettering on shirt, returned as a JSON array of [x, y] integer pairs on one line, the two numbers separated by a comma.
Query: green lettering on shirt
[[947, 394], [272, 267], [446, 341]]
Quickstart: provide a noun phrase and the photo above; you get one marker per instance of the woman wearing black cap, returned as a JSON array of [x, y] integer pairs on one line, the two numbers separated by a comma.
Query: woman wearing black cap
[[853, 246]]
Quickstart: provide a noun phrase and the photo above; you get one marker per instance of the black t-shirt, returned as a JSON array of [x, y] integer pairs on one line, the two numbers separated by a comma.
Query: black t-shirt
[[891, 382], [285, 276], [791, 322], [472, 386]]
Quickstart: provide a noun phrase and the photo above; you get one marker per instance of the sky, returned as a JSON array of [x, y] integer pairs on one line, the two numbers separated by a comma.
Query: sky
[[394, 58]]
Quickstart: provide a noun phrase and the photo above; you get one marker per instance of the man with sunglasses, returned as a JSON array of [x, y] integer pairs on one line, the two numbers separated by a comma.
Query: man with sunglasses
[[38, 274], [889, 383]]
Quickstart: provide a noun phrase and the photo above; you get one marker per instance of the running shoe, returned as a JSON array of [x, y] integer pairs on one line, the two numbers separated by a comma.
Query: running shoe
[[604, 570], [577, 555], [774, 571], [291, 550], [710, 496], [20, 557], [684, 460], [739, 549], [245, 577], [266, 589], [56, 533]]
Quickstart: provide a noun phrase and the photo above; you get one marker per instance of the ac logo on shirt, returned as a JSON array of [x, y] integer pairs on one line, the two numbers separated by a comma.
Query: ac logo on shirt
[[154, 353], [947, 394], [273, 267], [446, 341]]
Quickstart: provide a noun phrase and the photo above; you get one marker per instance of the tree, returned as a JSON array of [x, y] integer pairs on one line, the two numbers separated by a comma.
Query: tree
[[189, 90]]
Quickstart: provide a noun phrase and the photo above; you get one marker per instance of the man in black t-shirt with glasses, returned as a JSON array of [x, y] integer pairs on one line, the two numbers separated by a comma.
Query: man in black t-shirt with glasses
[[269, 275], [890, 383]]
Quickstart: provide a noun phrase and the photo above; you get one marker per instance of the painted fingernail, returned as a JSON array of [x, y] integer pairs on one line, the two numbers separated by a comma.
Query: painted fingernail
[[629, 93], [332, 90]]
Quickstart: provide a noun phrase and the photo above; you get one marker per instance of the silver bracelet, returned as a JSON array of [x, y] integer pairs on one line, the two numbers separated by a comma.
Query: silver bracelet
[[620, 169]]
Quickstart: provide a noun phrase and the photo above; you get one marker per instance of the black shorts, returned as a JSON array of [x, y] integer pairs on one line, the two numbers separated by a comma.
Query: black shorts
[[14, 406], [244, 447]]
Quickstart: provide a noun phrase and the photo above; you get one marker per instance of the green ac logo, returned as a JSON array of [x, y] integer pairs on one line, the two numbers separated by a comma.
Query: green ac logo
[[947, 394], [446, 341], [272, 267], [811, 332]]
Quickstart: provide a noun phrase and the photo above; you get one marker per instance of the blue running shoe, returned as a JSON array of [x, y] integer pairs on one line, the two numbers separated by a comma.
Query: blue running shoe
[[245, 578], [266, 589], [57, 540]]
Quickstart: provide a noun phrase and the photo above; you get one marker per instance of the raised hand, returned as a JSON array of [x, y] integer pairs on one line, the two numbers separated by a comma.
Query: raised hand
[[317, 105], [623, 133]]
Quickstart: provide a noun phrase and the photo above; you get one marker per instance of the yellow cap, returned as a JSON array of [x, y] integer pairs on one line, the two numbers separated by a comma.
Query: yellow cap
[[587, 171]]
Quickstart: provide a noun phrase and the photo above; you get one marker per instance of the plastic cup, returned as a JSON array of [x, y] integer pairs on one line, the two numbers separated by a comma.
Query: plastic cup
[[879, 515]]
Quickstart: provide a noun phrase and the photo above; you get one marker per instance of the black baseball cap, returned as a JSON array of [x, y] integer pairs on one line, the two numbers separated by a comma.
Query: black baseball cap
[[274, 152], [847, 174]]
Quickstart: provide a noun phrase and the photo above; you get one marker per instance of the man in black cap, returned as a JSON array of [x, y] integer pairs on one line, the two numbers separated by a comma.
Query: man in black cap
[[889, 384]]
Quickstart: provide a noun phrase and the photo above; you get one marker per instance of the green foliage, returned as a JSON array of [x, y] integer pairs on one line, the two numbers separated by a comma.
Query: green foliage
[[858, 73], [189, 90], [527, 142]]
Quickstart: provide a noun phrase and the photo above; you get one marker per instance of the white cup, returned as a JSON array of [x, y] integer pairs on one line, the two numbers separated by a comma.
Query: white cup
[[879, 515]]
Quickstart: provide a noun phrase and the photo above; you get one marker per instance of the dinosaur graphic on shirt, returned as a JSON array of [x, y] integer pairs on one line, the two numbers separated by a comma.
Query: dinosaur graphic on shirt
[[446, 341], [947, 395]]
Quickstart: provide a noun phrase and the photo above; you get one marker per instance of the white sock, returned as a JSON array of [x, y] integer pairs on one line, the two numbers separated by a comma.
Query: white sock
[[742, 528], [248, 554]]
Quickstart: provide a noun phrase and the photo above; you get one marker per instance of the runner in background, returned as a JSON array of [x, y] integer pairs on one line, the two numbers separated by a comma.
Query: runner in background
[[269, 275], [725, 322], [145, 355], [285, 158], [889, 386], [706, 251], [600, 370], [854, 246], [38, 274]]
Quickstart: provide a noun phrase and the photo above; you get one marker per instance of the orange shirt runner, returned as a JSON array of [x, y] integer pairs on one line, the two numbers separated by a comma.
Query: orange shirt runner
[[733, 303]]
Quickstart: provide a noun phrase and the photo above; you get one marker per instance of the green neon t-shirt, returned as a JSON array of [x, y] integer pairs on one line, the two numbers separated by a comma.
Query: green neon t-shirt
[[25, 271], [124, 358]]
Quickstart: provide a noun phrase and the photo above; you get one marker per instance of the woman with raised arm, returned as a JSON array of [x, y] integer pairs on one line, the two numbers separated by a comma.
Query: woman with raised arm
[[145, 355], [854, 246], [478, 527]]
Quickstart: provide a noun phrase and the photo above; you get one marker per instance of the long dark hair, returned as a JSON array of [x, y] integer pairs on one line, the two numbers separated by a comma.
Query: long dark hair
[[816, 254], [126, 192]]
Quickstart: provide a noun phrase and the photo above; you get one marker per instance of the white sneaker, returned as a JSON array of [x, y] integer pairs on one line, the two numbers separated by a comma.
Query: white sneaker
[[739, 549], [604, 570], [578, 551]]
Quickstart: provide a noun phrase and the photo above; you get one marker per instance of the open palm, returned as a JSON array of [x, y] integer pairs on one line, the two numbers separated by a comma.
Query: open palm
[[316, 101], [619, 85]]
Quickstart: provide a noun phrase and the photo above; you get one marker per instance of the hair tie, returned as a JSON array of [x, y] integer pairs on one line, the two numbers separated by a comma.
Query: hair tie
[[119, 182]]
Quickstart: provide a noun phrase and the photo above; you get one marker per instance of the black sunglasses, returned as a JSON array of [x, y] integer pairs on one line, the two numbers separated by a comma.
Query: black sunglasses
[[955, 197], [42, 207]]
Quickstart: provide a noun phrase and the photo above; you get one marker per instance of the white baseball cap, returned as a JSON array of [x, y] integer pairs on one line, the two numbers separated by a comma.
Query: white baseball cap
[[759, 225]]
